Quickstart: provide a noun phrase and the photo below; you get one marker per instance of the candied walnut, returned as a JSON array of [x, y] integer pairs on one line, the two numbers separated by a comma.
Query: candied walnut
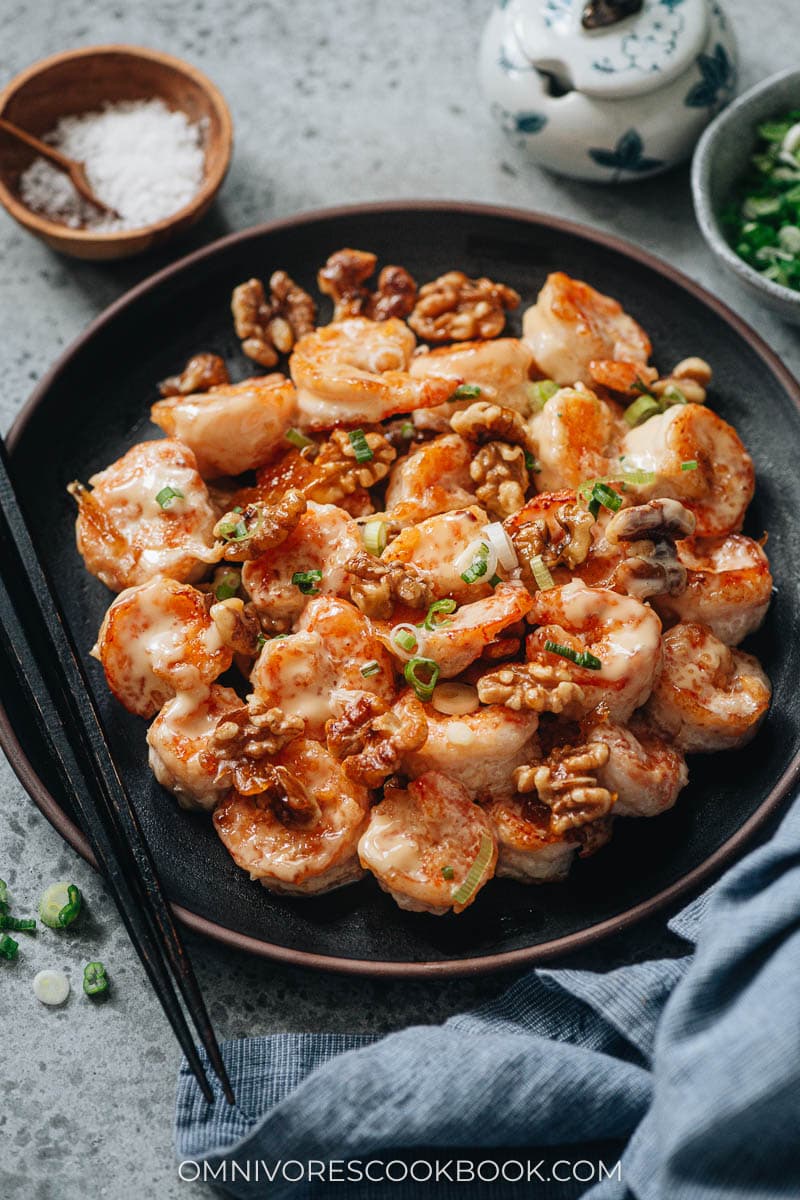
[[289, 800], [381, 585], [504, 647], [540, 687], [337, 473], [258, 527], [344, 278], [565, 540], [502, 478], [591, 837], [651, 566], [271, 326], [238, 625], [246, 736], [372, 746], [455, 308], [566, 783], [201, 373], [486, 422]]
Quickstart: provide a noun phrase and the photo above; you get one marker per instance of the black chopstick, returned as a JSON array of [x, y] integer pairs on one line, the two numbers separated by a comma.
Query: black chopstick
[[42, 650]]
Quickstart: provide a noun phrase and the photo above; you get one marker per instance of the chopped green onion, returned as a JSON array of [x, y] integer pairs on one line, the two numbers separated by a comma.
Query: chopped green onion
[[475, 874], [493, 582], [405, 639], [541, 574], [640, 386], [423, 687], [232, 531], [374, 535], [638, 477], [261, 640], [95, 980], [641, 410], [439, 606], [603, 495], [478, 567], [360, 445], [370, 668], [8, 947], [407, 429], [672, 395], [305, 580], [167, 495], [689, 465], [448, 873], [466, 391], [50, 987], [226, 583], [581, 658], [298, 439], [3, 896], [532, 463], [540, 392], [237, 508], [60, 898], [17, 924]]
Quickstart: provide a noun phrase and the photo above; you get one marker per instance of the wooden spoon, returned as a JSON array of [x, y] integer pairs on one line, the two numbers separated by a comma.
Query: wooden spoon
[[74, 169]]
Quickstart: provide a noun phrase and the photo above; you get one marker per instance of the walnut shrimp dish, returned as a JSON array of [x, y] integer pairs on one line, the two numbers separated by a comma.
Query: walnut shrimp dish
[[473, 597]]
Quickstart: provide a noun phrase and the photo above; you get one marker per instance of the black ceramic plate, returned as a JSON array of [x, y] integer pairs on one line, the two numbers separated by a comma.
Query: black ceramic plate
[[94, 405]]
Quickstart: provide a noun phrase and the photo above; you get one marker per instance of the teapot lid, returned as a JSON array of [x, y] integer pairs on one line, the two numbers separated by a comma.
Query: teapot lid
[[611, 48]]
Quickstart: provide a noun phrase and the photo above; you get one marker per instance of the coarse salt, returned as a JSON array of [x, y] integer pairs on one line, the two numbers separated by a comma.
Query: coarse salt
[[142, 159]]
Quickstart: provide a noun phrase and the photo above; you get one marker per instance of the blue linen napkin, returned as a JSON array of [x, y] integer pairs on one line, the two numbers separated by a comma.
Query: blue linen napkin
[[688, 1067]]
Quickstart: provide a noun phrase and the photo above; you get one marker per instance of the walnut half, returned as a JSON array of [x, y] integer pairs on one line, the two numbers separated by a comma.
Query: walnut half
[[455, 308], [344, 278], [271, 326], [381, 585], [246, 736], [201, 373], [563, 537], [258, 527], [538, 687], [484, 421], [502, 477], [372, 742], [651, 566], [338, 473], [566, 782]]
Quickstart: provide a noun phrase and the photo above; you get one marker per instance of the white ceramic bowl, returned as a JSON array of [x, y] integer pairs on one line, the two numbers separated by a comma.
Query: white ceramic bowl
[[720, 158]]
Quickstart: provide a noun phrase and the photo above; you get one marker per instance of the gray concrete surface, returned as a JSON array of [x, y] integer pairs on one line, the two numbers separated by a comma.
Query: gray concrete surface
[[333, 102]]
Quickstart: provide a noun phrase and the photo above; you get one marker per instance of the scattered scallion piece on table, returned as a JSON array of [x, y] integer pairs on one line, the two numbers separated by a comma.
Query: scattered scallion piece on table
[[360, 446], [95, 980], [475, 874], [298, 439], [305, 580], [375, 536], [762, 215], [51, 987], [581, 658], [3, 896], [8, 947], [59, 905], [167, 495], [439, 606], [423, 687], [17, 924], [466, 391]]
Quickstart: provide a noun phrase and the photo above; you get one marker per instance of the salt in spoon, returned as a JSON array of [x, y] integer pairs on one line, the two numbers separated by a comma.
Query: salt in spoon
[[74, 169]]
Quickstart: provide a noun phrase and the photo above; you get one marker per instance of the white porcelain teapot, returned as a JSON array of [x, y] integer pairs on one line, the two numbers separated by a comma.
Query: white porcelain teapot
[[607, 90]]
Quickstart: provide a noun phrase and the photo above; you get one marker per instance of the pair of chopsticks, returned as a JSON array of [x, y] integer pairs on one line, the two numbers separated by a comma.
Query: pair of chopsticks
[[38, 647]]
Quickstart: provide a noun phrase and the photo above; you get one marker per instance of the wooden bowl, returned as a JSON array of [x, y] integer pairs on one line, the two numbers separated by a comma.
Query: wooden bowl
[[80, 81]]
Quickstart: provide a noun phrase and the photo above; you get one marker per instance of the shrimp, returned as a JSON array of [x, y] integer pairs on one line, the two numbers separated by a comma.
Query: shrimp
[[433, 478], [300, 837], [708, 697], [357, 370], [234, 427], [571, 326], [323, 541], [434, 547], [500, 368], [157, 639], [578, 437], [311, 672], [479, 749], [528, 849], [728, 587], [180, 756], [475, 626], [642, 769], [721, 485], [147, 514], [422, 841], [620, 631]]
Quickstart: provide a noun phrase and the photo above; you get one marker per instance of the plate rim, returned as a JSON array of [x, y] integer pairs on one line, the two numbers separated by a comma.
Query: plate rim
[[481, 964]]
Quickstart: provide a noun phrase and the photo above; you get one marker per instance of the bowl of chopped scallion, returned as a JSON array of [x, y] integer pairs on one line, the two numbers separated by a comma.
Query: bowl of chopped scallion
[[746, 187]]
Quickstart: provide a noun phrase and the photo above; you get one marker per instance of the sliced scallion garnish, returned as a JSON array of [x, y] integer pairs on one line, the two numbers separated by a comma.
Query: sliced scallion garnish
[[474, 877], [689, 465], [672, 395], [360, 446], [298, 439], [226, 583], [407, 429], [403, 637], [439, 606], [540, 392], [448, 873], [167, 495], [641, 410], [479, 565], [466, 391], [541, 573], [305, 581], [603, 495], [582, 658], [232, 531], [374, 535], [370, 668], [423, 687]]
